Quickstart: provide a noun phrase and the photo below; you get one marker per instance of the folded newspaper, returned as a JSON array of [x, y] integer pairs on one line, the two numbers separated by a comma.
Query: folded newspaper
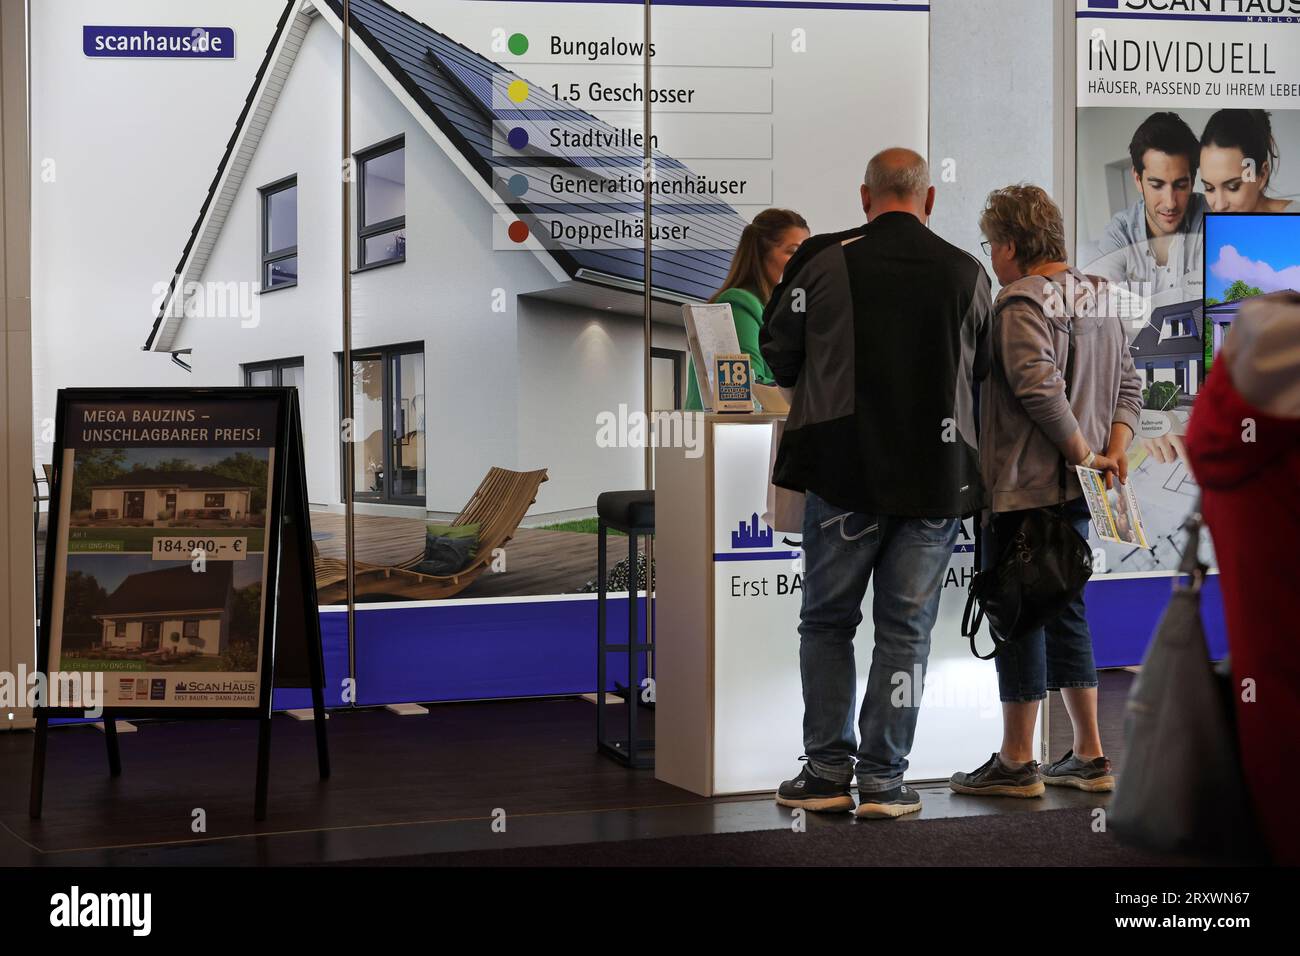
[[1115, 514]]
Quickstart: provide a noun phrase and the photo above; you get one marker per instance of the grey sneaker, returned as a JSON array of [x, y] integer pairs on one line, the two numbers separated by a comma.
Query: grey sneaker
[[1070, 771], [888, 803], [996, 779]]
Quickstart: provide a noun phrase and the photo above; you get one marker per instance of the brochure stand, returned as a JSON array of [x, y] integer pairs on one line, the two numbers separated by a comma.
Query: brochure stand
[[266, 427]]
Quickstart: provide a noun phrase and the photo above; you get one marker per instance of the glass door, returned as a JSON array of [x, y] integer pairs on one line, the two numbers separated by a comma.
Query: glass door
[[368, 430], [388, 426], [406, 450]]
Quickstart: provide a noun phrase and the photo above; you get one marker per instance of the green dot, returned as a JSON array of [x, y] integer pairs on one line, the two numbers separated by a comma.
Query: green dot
[[518, 44]]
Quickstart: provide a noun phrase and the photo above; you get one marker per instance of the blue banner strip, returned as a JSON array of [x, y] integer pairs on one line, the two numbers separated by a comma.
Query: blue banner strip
[[774, 4], [1255, 19], [756, 555]]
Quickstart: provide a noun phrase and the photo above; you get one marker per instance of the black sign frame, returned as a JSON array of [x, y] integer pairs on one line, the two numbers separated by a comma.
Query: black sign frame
[[288, 533]]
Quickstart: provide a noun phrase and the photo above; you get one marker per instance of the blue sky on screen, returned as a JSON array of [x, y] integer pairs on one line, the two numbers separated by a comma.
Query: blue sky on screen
[[1263, 251]]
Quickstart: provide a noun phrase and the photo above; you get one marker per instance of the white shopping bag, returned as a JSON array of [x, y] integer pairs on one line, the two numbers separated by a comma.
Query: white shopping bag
[[784, 507]]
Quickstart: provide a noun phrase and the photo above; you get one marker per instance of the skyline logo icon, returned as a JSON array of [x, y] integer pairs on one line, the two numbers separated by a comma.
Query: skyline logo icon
[[749, 536]]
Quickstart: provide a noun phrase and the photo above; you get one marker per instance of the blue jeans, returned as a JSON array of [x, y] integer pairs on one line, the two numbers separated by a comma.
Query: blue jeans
[[842, 550], [1056, 655]]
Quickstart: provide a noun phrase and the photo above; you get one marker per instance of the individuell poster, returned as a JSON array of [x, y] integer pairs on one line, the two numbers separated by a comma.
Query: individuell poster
[[1185, 109], [159, 578]]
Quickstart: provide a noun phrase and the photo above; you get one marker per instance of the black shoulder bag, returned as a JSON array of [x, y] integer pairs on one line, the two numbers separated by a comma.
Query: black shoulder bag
[[1040, 569]]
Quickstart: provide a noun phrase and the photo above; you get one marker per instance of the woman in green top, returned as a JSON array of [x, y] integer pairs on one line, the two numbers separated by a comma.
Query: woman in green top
[[765, 247]]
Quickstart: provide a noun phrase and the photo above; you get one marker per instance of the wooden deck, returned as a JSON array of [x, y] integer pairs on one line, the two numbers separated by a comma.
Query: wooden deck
[[537, 562]]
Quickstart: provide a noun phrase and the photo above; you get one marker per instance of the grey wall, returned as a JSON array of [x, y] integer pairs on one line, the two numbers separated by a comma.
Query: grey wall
[[992, 107]]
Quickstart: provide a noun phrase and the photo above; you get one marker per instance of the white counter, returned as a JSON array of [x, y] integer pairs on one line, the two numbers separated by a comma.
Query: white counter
[[729, 709]]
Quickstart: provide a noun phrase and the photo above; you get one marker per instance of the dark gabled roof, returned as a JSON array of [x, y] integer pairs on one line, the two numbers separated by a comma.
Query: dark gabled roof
[[1147, 343], [453, 85], [151, 478], [171, 589]]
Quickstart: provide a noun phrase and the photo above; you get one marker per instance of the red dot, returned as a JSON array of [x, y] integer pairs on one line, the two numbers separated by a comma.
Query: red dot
[[518, 231]]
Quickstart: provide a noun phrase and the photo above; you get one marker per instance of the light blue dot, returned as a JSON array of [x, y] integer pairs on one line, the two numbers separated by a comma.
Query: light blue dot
[[518, 184]]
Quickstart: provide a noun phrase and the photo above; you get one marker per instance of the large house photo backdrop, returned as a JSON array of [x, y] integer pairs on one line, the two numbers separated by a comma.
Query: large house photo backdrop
[[482, 356]]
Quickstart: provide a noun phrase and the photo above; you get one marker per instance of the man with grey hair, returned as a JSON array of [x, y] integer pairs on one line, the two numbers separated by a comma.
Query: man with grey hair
[[899, 173], [882, 332]]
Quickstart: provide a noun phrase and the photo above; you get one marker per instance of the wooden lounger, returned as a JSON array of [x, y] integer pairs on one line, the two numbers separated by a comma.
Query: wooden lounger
[[497, 507]]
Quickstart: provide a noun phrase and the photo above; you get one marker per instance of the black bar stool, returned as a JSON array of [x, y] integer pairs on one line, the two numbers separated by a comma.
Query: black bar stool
[[633, 513]]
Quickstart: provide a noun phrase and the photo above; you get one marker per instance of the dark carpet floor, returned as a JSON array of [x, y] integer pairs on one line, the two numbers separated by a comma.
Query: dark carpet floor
[[1049, 838]]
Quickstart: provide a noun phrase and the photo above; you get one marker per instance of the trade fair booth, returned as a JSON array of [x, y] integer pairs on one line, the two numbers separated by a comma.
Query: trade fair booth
[[364, 305]]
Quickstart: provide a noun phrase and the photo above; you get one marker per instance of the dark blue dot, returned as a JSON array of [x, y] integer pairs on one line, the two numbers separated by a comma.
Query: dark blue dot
[[518, 137]]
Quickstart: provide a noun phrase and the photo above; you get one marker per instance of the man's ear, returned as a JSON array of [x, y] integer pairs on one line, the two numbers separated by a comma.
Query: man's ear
[[929, 202], [865, 193], [1137, 178]]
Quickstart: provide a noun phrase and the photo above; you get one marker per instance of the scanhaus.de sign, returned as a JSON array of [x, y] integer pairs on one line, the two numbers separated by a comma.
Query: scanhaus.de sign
[[208, 43]]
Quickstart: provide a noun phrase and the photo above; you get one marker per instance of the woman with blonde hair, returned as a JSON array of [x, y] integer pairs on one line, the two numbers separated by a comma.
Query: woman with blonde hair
[[1034, 430], [766, 245]]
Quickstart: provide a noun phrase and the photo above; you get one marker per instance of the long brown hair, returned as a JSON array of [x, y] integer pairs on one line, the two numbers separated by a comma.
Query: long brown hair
[[758, 239]]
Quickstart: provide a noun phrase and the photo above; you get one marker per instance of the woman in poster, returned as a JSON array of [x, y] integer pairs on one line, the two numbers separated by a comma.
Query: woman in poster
[[1238, 157]]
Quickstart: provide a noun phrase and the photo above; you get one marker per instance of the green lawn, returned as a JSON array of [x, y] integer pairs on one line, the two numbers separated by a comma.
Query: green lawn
[[581, 525], [75, 662]]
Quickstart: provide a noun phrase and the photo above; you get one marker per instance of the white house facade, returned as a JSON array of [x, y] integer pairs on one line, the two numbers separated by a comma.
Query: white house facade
[[466, 356]]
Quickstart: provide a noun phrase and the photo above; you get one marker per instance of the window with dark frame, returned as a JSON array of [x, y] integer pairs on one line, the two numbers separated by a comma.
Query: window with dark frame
[[381, 203], [119, 629], [280, 234], [275, 374], [214, 500], [190, 629], [388, 427]]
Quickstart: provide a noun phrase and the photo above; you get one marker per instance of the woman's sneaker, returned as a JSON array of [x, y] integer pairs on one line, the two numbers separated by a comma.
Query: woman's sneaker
[[811, 792], [1071, 771], [996, 779], [888, 803]]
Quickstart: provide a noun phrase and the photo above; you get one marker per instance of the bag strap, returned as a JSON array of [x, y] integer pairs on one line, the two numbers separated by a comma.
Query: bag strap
[[1069, 395]]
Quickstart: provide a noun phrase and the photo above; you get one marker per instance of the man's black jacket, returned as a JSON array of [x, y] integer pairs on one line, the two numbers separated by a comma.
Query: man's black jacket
[[881, 331]]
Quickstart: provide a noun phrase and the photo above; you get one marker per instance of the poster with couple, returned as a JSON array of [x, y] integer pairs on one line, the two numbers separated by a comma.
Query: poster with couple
[[1182, 116]]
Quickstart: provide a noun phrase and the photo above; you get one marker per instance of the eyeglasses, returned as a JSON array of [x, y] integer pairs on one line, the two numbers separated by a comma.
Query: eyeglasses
[[987, 247]]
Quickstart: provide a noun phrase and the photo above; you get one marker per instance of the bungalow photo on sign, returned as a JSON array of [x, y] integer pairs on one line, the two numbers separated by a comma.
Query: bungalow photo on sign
[[133, 613], [125, 498]]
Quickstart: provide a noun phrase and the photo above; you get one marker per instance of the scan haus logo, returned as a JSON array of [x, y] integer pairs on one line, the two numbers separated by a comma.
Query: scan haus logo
[[76, 909], [187, 687], [1285, 10]]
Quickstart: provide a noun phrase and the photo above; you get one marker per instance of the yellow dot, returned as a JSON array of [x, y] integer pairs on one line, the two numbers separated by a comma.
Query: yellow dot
[[517, 91]]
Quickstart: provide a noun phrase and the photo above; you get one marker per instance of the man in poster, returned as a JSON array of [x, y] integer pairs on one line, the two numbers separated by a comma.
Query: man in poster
[[1153, 248]]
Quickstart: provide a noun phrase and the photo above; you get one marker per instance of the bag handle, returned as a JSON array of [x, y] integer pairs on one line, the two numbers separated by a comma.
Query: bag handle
[[1191, 564], [970, 629]]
